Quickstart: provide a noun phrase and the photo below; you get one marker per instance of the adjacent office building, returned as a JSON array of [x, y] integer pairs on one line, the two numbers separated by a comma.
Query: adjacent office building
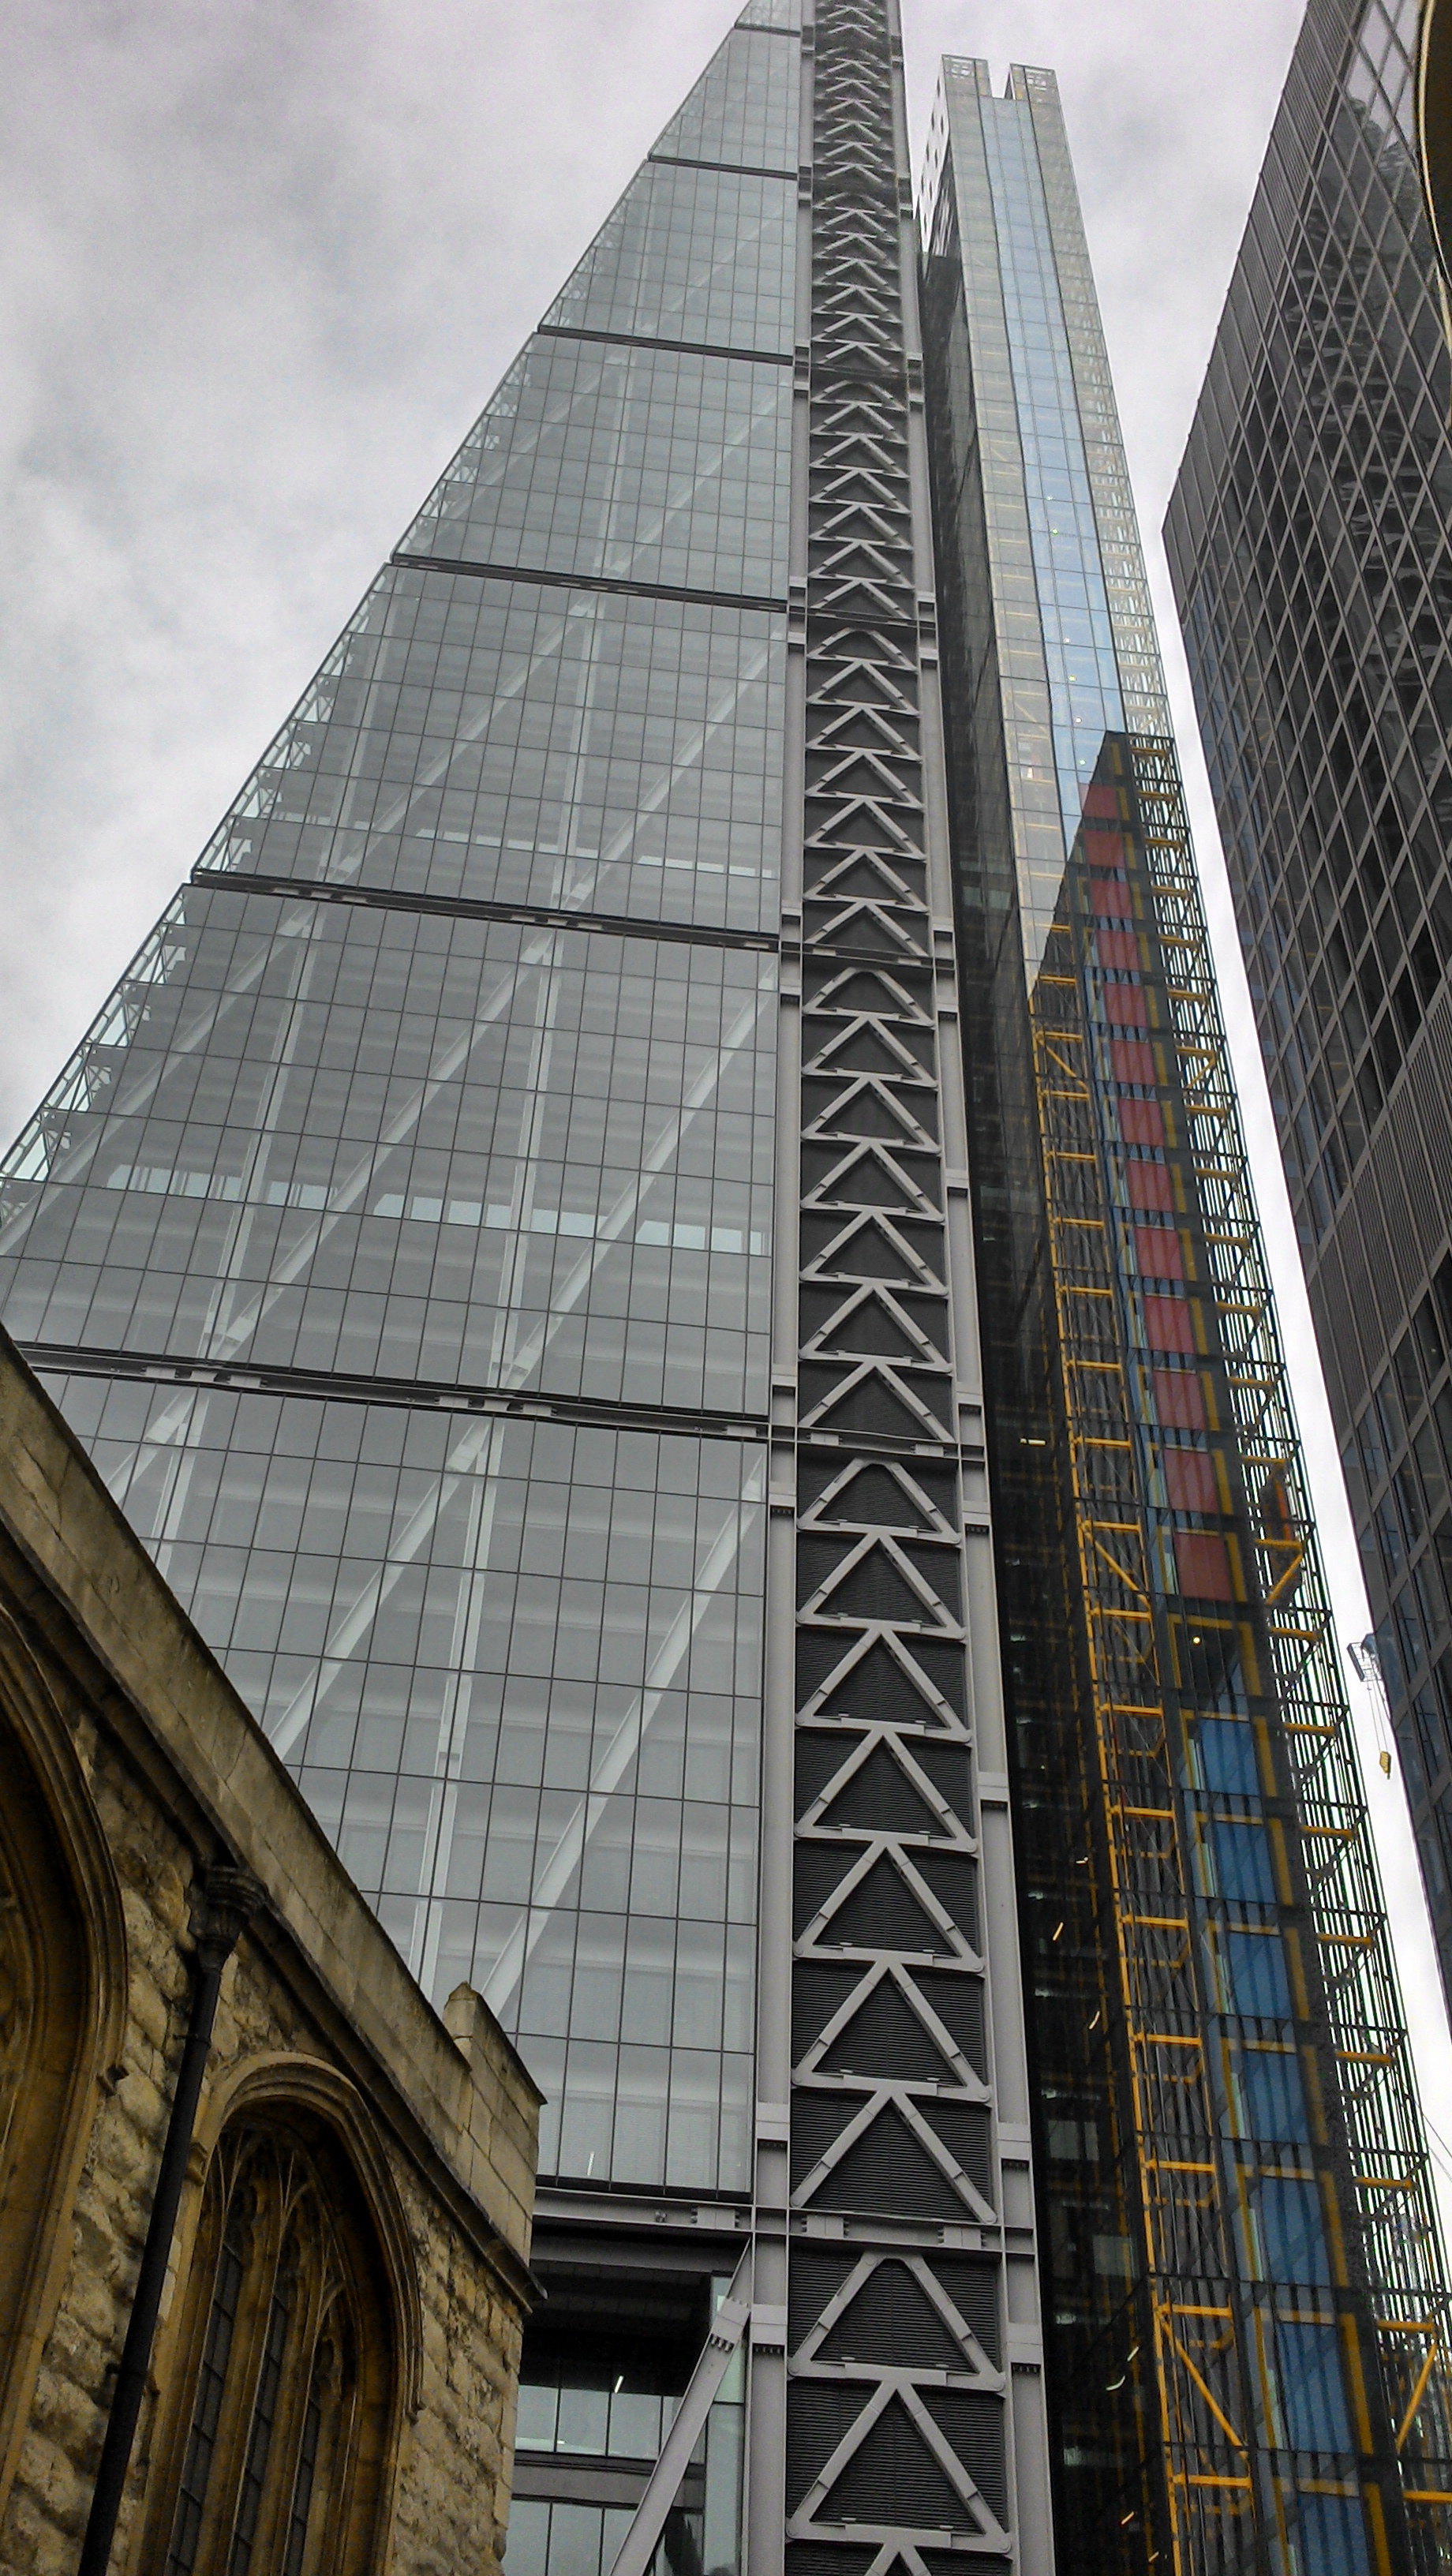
[[1310, 541], [658, 1245]]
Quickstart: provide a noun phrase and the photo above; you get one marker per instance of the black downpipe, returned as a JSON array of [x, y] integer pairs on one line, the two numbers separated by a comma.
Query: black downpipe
[[229, 1899]]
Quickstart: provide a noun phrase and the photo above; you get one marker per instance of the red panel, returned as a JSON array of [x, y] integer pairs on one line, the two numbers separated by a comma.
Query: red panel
[[1126, 1006], [1169, 1324], [1109, 898], [1156, 1249], [1190, 1480], [1150, 1187], [1103, 802], [1141, 1122], [1132, 1059], [1202, 1562], [1179, 1399], [1118, 948]]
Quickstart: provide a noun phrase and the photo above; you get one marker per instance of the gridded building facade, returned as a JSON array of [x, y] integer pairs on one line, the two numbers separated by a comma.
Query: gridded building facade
[[1232, 2280], [515, 1244], [1310, 549], [520, 1188]]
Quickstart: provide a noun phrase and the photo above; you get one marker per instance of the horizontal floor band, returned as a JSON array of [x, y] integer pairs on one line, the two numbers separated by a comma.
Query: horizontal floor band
[[674, 2220], [616, 925], [735, 169], [607, 925], [649, 340], [423, 1394], [431, 1395], [606, 582], [546, 2477]]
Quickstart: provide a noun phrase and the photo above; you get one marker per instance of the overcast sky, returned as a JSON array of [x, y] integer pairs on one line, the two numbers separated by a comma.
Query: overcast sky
[[264, 263]]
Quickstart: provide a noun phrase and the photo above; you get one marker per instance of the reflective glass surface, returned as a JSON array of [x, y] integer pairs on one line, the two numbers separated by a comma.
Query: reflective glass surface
[[1382, 74], [515, 1667], [1074, 638], [745, 108], [691, 255], [502, 742], [350, 1126], [644, 464], [369, 1140], [513, 1663], [1069, 580], [1308, 538]]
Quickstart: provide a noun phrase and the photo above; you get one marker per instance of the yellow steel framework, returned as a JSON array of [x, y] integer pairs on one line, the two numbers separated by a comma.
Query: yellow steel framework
[[1233, 2492]]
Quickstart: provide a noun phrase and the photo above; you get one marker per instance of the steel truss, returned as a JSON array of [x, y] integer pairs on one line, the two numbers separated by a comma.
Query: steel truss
[[915, 2433]]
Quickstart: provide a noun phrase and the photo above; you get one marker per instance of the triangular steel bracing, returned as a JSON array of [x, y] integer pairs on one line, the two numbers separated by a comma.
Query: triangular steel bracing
[[896, 2417]]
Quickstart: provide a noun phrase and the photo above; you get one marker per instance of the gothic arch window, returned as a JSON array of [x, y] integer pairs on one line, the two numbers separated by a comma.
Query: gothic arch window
[[62, 2012], [284, 2384]]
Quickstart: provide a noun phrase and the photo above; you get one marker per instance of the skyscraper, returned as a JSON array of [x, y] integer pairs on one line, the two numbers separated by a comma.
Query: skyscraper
[[517, 1241], [1189, 1818], [1310, 549]]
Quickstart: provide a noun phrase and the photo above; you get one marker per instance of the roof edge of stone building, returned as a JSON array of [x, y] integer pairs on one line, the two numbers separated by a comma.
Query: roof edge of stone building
[[172, 1699]]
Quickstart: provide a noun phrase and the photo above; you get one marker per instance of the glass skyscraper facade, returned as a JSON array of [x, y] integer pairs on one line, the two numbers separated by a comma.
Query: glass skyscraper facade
[[1310, 541], [1201, 1918], [658, 1245]]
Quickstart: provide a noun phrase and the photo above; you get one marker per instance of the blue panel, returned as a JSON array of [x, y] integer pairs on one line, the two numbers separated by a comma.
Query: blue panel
[[1244, 1870], [1270, 2096], [1313, 2400], [1255, 1976], [1225, 1756], [1292, 2236]]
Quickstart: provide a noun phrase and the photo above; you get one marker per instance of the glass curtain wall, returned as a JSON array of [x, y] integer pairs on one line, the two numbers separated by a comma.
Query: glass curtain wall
[[1238, 2374], [398, 1238], [1310, 544]]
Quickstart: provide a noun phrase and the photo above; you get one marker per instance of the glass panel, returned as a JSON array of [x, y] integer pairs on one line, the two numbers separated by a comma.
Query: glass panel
[[1068, 577], [374, 1141], [1330, 2536], [569, 2539], [1269, 2095], [515, 1667], [210, 2390], [691, 255], [1313, 2401], [745, 107], [642, 464], [1292, 2243], [504, 743]]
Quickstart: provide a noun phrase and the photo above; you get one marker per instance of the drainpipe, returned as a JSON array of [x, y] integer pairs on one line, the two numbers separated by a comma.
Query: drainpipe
[[226, 1902]]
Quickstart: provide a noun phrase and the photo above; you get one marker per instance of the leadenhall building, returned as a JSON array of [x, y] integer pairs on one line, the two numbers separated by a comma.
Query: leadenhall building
[[658, 1247]]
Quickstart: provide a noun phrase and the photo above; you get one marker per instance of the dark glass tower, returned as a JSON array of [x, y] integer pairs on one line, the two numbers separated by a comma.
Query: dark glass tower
[[516, 1243], [1310, 539], [1231, 2278]]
